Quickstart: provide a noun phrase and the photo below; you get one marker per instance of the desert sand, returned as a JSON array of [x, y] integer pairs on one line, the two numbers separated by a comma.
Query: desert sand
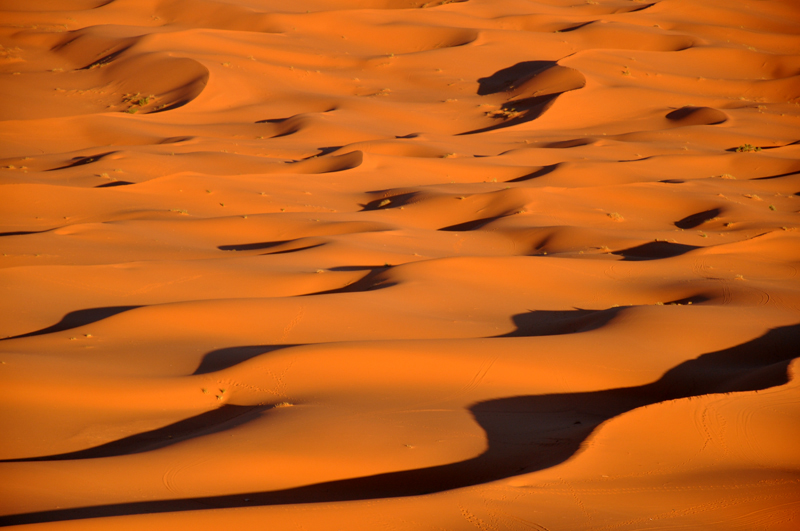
[[396, 264]]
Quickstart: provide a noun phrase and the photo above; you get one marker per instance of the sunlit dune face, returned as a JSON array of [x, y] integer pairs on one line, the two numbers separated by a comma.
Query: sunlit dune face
[[402, 264]]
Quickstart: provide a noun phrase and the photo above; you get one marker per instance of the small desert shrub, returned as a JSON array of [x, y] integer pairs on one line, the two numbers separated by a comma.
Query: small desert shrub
[[746, 148]]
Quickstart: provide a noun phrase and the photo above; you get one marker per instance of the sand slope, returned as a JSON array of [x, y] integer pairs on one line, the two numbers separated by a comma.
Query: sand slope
[[395, 264]]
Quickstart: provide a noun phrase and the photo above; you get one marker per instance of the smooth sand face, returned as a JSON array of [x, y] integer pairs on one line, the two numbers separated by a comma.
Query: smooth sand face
[[388, 264]]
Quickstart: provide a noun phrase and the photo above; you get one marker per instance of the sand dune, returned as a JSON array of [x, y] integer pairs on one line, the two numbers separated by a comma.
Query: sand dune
[[400, 264]]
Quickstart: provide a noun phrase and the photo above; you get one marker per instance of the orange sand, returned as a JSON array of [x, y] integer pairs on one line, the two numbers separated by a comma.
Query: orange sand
[[388, 264]]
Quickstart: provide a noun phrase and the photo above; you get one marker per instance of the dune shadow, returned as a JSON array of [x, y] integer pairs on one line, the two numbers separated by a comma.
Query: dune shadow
[[103, 61], [524, 434], [555, 323], [374, 279], [690, 115], [640, 8], [114, 184], [260, 246], [223, 418], [655, 251], [695, 220], [787, 174], [272, 120], [223, 358], [503, 80], [24, 232], [391, 202], [541, 172], [172, 106], [82, 161], [323, 151], [519, 112], [76, 319], [353, 268], [576, 27], [572, 143], [531, 87], [474, 224]]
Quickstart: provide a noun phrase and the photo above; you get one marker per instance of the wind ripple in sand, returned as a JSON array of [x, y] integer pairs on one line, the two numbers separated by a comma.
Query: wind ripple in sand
[[251, 257]]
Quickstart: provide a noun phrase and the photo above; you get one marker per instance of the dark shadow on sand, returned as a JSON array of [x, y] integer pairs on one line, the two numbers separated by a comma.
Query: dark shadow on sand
[[555, 323], [216, 420], [655, 251], [504, 80], [695, 220], [82, 161], [520, 110], [524, 434], [373, 279], [475, 224], [23, 232], [76, 319], [261, 246], [223, 358], [541, 172]]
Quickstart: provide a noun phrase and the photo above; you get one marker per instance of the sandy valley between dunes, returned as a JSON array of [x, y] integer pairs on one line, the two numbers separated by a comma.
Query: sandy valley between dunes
[[396, 264]]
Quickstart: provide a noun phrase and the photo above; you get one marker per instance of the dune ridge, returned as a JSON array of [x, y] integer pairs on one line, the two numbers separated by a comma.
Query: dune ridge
[[399, 263]]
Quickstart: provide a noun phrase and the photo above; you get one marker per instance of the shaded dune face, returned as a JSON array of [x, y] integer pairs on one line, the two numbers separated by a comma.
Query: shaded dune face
[[524, 434], [531, 87], [697, 116], [400, 263]]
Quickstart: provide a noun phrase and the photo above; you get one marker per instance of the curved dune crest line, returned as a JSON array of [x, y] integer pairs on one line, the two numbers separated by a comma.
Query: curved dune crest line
[[697, 116], [172, 82], [531, 88], [403, 38], [76, 319], [553, 323], [298, 122], [224, 358], [524, 434], [90, 48], [655, 251], [82, 161], [619, 35], [121, 64], [530, 79], [217, 15], [556, 79], [112, 76], [220, 419], [329, 164], [546, 317], [109, 71], [697, 219]]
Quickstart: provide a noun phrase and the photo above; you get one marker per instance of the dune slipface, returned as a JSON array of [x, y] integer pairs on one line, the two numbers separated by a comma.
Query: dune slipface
[[368, 264]]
